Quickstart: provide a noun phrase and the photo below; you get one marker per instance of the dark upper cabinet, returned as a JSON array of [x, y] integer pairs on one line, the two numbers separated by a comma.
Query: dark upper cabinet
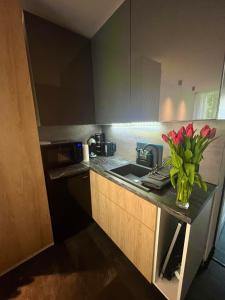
[[61, 67], [111, 68], [126, 80], [160, 60], [145, 69]]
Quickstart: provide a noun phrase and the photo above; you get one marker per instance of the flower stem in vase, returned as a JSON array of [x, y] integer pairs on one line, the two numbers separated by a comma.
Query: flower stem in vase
[[186, 153]]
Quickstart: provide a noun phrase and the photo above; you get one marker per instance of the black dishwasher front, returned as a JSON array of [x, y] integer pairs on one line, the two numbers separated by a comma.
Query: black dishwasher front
[[69, 196]]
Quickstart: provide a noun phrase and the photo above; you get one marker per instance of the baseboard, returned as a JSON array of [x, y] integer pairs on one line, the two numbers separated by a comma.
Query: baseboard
[[26, 259], [205, 263], [218, 261]]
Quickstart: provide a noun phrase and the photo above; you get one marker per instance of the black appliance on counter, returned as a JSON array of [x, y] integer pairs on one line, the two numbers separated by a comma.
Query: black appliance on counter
[[149, 155], [103, 147], [109, 149], [61, 153], [68, 187], [100, 139]]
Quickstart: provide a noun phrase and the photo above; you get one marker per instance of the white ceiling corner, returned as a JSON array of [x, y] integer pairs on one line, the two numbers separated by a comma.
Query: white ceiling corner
[[81, 16]]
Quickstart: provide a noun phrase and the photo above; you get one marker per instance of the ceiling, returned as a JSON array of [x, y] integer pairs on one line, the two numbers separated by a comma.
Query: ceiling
[[81, 16]]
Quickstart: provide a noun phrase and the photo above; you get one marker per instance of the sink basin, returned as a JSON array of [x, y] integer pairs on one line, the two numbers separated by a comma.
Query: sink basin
[[131, 173]]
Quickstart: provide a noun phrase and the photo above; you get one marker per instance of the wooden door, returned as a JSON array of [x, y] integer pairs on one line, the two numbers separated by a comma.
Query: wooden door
[[25, 227]]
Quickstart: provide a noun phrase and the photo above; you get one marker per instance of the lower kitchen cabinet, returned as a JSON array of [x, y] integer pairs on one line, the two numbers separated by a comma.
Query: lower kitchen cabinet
[[124, 226], [144, 233]]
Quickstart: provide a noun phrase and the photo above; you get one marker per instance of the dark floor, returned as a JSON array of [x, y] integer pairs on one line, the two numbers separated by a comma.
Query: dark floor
[[89, 266], [219, 253]]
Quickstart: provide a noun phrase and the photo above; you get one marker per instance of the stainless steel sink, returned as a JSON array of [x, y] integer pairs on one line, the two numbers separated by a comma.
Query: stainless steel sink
[[131, 173]]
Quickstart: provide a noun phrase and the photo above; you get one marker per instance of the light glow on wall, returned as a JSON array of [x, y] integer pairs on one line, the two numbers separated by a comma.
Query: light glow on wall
[[182, 111], [135, 124], [167, 109]]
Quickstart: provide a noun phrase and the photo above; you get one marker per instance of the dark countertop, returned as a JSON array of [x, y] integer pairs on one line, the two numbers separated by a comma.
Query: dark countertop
[[165, 198], [68, 171]]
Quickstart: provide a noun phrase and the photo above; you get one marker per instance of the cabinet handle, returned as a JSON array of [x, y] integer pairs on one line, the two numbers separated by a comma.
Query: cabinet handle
[[84, 177]]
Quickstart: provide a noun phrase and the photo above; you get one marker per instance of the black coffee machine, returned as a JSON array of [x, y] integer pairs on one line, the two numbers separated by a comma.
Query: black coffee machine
[[101, 147], [100, 140]]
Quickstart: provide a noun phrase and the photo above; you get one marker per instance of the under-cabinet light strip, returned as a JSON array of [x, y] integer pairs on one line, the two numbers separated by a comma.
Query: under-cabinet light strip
[[136, 124]]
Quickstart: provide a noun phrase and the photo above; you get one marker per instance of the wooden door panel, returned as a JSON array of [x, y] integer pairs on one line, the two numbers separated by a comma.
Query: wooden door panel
[[24, 214]]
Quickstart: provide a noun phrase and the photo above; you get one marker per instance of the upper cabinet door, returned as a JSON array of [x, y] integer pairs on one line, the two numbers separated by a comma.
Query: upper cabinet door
[[145, 68], [186, 40], [111, 68], [221, 110], [61, 66]]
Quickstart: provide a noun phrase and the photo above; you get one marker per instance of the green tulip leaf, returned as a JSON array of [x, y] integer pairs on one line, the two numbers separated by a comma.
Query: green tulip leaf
[[173, 172], [188, 155], [190, 171], [203, 184], [200, 182], [187, 143], [177, 161], [197, 180], [168, 162]]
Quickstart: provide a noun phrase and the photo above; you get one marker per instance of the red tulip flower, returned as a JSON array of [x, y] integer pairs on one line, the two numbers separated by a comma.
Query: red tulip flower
[[172, 134], [182, 130], [190, 130], [205, 131], [178, 139], [212, 133], [165, 138]]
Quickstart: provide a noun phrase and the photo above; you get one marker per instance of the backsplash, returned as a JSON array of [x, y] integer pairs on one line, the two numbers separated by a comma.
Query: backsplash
[[126, 138], [77, 132]]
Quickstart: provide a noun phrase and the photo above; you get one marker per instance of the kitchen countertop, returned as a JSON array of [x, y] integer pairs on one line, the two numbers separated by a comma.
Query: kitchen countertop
[[68, 171], [165, 198]]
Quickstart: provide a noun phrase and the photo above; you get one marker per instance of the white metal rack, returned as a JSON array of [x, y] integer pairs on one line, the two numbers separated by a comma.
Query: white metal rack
[[193, 251]]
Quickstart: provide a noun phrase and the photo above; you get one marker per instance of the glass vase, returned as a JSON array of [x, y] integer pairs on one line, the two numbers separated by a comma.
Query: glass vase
[[184, 190]]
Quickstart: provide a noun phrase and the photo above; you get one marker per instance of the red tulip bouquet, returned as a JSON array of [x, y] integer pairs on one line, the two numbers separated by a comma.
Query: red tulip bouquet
[[186, 148]]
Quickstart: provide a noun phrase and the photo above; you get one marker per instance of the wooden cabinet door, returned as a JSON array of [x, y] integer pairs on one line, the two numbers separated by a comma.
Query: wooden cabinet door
[[134, 238], [61, 65], [100, 210], [24, 215], [111, 68]]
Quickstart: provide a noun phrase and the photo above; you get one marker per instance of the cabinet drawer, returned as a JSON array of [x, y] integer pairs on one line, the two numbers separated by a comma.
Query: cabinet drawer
[[138, 207], [100, 183], [100, 210], [134, 238]]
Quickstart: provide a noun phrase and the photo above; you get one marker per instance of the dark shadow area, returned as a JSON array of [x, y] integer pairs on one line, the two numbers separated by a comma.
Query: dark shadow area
[[208, 284], [89, 266], [86, 266], [219, 254]]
